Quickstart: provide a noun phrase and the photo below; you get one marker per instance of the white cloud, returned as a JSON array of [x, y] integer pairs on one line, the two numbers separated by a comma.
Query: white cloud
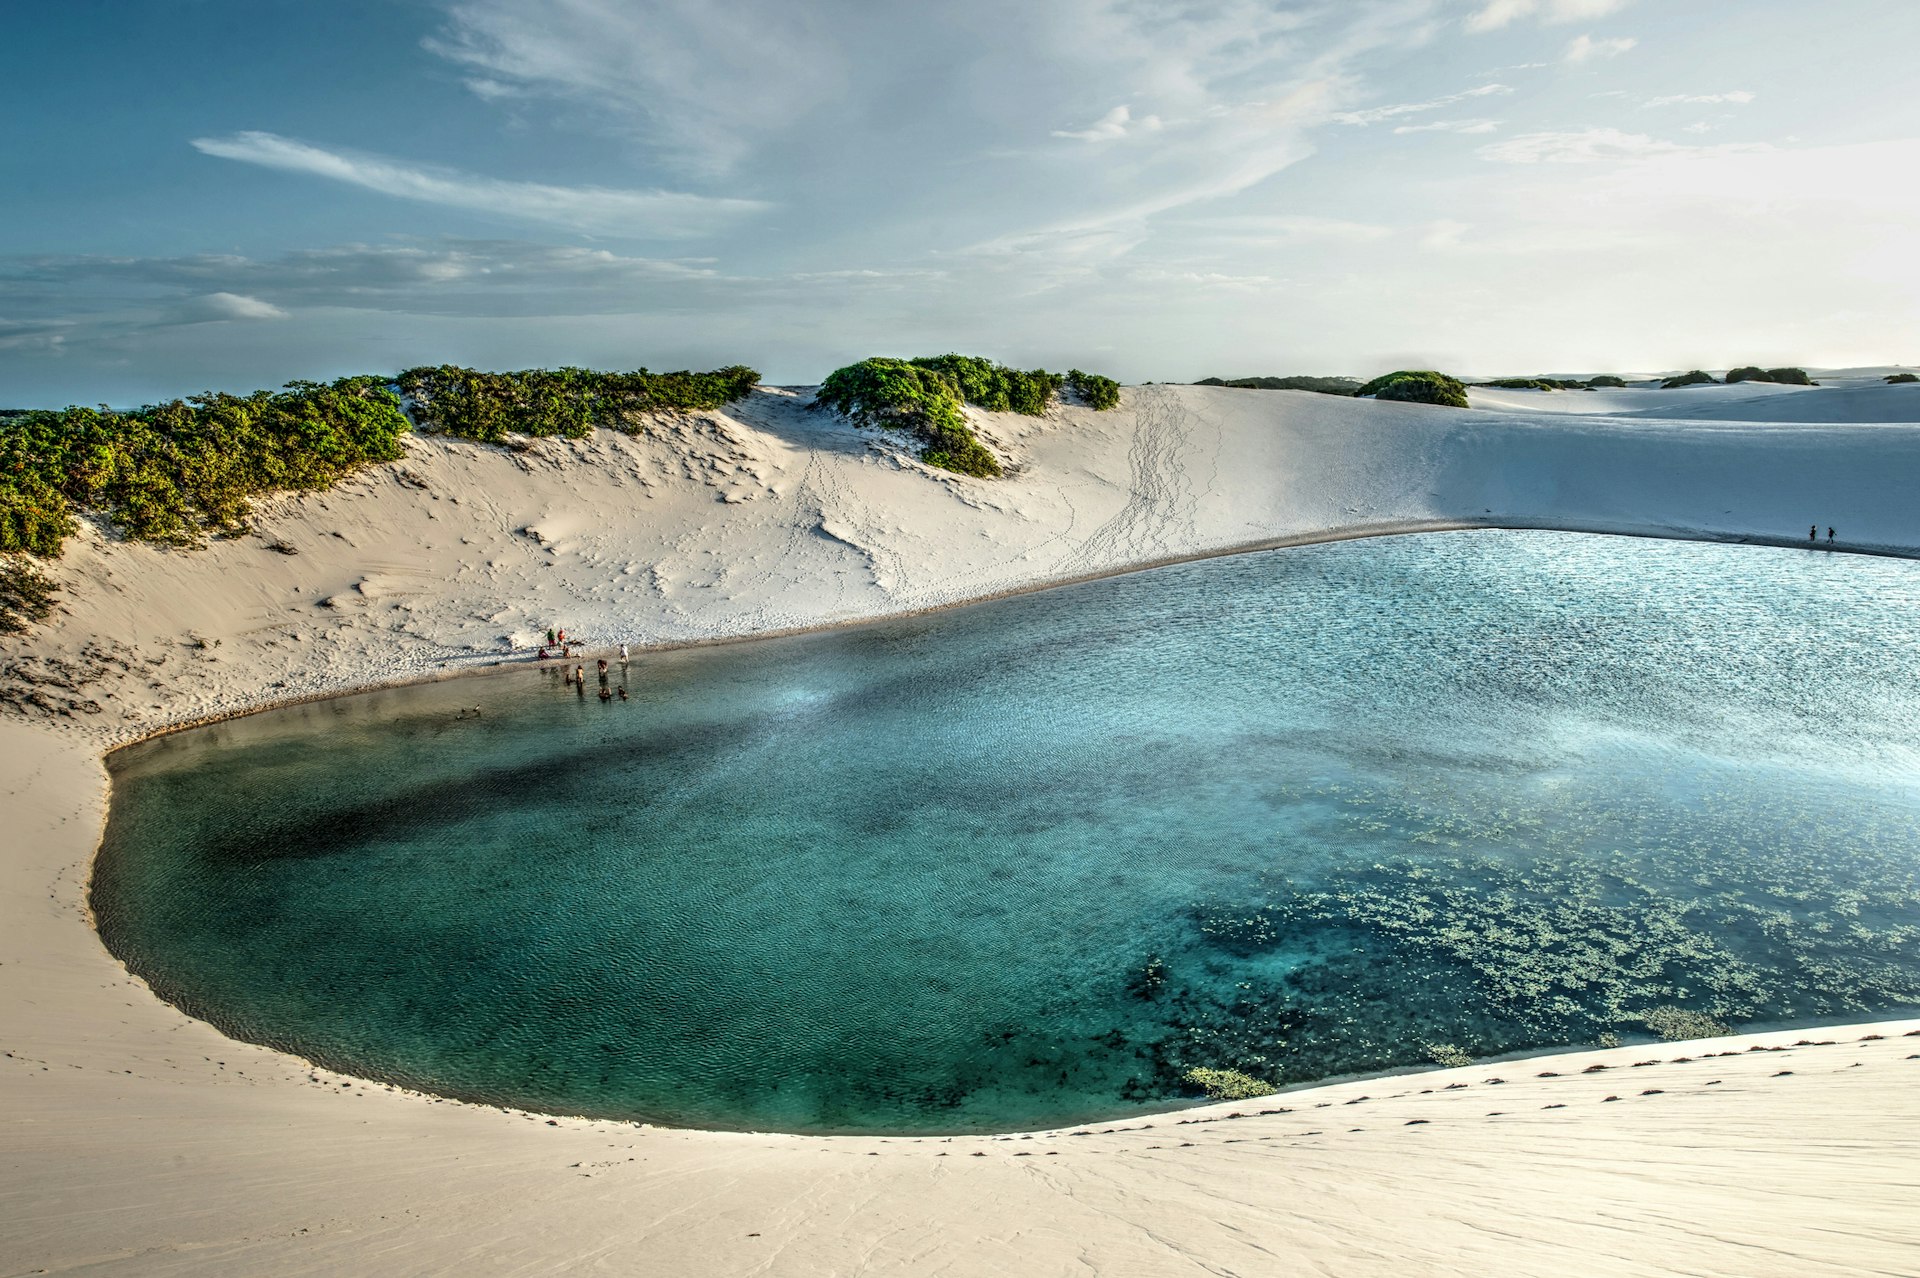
[[1373, 115], [234, 306], [1117, 123], [1500, 13], [1285, 228], [580, 208], [1739, 97], [1592, 145], [1451, 126], [1585, 48]]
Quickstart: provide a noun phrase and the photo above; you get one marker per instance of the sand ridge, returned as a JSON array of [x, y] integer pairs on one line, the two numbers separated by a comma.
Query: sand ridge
[[139, 1141]]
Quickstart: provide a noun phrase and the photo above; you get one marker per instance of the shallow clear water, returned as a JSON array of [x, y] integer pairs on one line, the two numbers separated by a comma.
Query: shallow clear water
[[1297, 813]]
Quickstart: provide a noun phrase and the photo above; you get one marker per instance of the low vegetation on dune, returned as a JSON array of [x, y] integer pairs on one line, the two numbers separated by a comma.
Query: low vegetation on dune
[[1553, 383], [1902, 379], [1318, 385], [1695, 378], [1418, 386], [568, 402], [1096, 392], [925, 397], [1781, 376], [173, 472]]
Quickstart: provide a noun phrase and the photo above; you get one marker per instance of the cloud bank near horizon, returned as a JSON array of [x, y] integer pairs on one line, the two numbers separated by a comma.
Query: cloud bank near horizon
[[1146, 187]]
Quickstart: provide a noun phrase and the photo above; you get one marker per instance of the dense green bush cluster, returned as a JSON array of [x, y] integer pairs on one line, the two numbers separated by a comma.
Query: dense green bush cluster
[[569, 402], [1096, 392], [912, 397], [1695, 378], [995, 387], [1606, 380], [1549, 383], [1318, 385], [1781, 376], [1418, 386], [925, 396], [1902, 379], [169, 472]]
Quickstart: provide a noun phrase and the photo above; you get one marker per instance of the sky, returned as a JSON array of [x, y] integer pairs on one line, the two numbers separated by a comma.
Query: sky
[[230, 194]]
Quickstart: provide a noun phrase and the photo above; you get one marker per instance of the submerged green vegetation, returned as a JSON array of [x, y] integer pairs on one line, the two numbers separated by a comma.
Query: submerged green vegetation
[[568, 402], [925, 398]]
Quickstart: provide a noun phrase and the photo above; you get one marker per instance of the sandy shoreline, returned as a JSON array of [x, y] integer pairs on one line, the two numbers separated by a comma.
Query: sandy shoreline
[[141, 1141]]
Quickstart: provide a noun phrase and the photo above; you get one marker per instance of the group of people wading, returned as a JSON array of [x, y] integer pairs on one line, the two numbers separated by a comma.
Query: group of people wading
[[558, 645]]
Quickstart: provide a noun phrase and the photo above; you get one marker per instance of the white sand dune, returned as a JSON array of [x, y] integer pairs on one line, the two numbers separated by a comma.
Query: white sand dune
[[138, 1141], [1850, 396]]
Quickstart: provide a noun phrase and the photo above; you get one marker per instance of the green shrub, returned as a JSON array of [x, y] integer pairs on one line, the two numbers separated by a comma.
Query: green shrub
[[1779, 376], [1605, 379], [1318, 385], [1695, 378], [1902, 379], [170, 472], [995, 387], [1096, 392], [925, 396], [1228, 1084], [25, 595], [568, 402], [909, 396], [1418, 386], [1522, 383]]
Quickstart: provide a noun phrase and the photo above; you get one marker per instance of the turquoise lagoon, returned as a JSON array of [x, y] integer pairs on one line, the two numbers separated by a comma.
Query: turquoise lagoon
[[1298, 813]]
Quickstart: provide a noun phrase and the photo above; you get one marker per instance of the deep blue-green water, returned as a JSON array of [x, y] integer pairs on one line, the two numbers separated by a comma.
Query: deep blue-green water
[[1295, 814]]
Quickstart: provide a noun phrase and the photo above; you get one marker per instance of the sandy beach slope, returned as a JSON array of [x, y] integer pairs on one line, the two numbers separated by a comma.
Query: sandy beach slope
[[138, 1141]]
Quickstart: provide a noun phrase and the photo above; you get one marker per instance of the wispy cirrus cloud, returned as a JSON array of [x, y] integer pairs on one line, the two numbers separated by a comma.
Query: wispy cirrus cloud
[[1589, 146], [1451, 126], [1738, 97], [1586, 48], [1496, 14], [1373, 115], [601, 210], [1117, 123]]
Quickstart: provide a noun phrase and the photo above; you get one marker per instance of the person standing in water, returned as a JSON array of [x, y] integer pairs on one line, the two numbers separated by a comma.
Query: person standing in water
[[623, 652]]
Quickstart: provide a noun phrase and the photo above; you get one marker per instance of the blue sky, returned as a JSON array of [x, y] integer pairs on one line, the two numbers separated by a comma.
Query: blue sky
[[206, 193]]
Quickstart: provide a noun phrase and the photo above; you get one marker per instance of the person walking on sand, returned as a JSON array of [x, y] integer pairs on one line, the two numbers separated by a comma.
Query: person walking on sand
[[1829, 536], [550, 638], [1813, 532]]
